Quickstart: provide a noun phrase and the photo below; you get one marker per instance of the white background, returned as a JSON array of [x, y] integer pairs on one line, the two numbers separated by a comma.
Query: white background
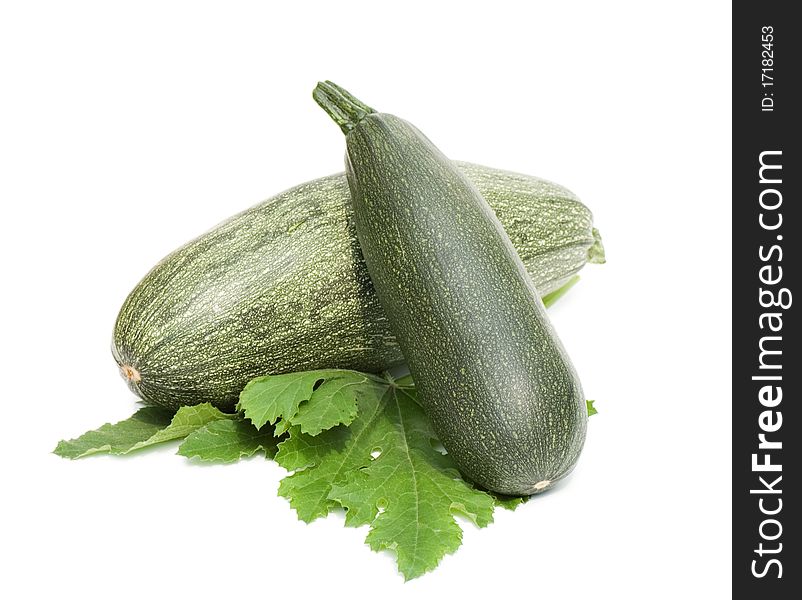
[[128, 128]]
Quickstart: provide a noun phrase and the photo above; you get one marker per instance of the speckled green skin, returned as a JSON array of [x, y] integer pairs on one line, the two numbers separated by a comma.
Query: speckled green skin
[[490, 371], [282, 287]]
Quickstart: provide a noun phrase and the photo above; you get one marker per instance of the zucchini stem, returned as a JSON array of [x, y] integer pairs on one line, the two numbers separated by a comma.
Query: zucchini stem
[[344, 109]]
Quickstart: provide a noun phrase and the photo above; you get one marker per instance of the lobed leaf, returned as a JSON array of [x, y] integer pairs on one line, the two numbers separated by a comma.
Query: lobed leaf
[[227, 441], [385, 472], [314, 400]]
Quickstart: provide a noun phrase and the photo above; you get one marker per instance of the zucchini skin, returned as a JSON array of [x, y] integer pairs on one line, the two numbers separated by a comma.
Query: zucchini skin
[[282, 287], [490, 371]]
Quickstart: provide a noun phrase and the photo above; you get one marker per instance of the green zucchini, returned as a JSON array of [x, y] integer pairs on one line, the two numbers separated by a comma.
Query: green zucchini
[[282, 287], [492, 375]]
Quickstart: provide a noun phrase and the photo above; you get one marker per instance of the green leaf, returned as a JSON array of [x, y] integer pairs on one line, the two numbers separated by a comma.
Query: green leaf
[[384, 470], [117, 438], [185, 421], [591, 409], [333, 454], [314, 400], [509, 502], [148, 426], [227, 441]]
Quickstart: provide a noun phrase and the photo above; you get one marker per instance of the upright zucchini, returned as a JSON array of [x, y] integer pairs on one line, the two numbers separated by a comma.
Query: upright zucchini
[[490, 372], [282, 287]]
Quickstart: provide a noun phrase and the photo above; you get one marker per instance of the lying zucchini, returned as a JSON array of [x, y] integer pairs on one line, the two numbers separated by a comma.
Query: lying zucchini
[[282, 287], [490, 372]]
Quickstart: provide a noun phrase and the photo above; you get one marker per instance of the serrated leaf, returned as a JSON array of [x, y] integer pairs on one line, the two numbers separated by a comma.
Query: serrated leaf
[[148, 426], [333, 454], [509, 502], [418, 488], [227, 441], [299, 451], [408, 493], [334, 402], [313, 400], [591, 409]]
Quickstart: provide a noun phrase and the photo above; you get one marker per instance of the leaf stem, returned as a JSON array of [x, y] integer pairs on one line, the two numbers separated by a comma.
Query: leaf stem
[[551, 298]]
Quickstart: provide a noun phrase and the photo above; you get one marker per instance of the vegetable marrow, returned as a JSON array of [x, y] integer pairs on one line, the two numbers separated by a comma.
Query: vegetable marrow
[[282, 287], [490, 371]]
